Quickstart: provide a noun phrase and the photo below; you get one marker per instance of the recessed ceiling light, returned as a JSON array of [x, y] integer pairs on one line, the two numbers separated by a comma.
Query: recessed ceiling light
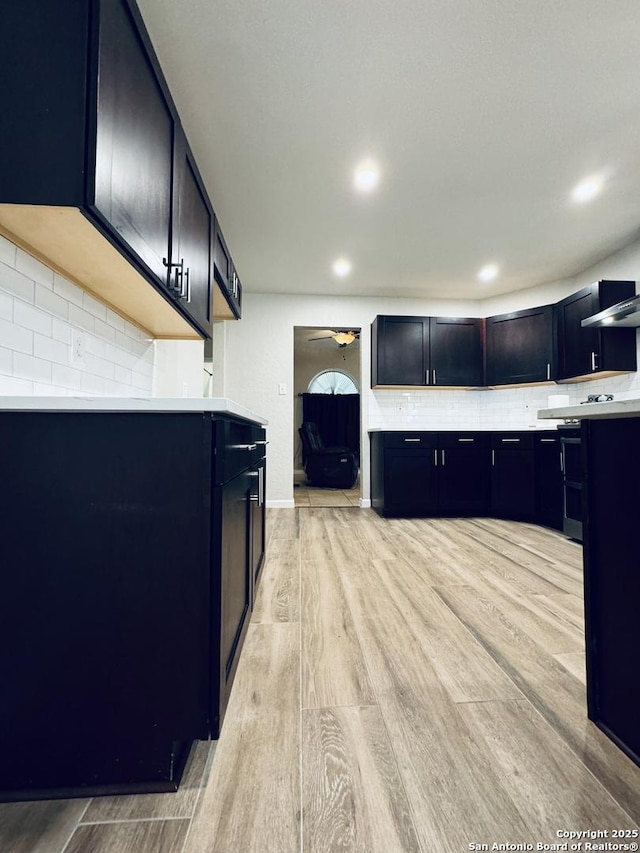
[[366, 176], [488, 272], [587, 189], [342, 267]]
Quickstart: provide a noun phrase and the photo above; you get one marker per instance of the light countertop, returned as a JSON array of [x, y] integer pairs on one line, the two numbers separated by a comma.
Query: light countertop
[[220, 405], [612, 409]]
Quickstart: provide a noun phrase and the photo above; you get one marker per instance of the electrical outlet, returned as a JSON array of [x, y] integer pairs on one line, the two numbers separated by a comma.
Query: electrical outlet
[[282, 388], [77, 349]]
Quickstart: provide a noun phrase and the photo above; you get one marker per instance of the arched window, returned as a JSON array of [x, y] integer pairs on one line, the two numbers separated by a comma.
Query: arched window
[[333, 382]]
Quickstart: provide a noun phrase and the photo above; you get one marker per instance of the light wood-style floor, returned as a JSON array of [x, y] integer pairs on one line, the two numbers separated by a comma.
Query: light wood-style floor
[[305, 496], [406, 685]]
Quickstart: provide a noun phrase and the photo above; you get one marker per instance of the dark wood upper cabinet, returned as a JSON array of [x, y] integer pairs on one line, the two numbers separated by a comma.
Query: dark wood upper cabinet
[[227, 296], [400, 351], [190, 266], [456, 351], [521, 347], [134, 141], [583, 352], [97, 177], [426, 351]]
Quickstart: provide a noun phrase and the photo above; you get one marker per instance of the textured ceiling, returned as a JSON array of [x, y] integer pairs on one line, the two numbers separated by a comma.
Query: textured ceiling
[[482, 115]]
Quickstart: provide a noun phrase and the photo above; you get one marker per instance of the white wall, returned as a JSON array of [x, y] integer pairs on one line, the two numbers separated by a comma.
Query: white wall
[[259, 355]]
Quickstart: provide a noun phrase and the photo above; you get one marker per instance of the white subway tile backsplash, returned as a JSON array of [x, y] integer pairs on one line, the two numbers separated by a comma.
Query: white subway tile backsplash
[[64, 376], [116, 320], [80, 318], [51, 302], [50, 349], [39, 310], [6, 360], [6, 307], [94, 306], [69, 291], [12, 386], [15, 337], [104, 330], [7, 252], [29, 367], [34, 269], [17, 284], [32, 318], [61, 331]]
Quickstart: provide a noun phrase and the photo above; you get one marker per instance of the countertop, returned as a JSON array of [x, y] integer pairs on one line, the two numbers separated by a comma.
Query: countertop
[[545, 427], [613, 409], [220, 405]]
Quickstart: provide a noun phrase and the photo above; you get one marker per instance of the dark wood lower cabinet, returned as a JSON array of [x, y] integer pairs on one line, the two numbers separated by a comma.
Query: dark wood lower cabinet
[[513, 475], [612, 579], [548, 477], [463, 474], [128, 555]]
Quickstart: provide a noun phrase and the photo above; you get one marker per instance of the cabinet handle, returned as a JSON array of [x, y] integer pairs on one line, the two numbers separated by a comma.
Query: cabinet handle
[[185, 286], [409, 440], [493, 457], [552, 440], [260, 486], [466, 439], [262, 442], [426, 377], [443, 458], [593, 361], [434, 376], [548, 371], [435, 458], [507, 440], [561, 461], [244, 446]]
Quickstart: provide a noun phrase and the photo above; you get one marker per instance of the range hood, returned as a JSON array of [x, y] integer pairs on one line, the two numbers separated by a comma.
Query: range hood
[[625, 313]]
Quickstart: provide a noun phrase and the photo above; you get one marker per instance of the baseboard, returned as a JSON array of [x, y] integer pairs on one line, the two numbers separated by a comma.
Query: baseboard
[[288, 504], [365, 503]]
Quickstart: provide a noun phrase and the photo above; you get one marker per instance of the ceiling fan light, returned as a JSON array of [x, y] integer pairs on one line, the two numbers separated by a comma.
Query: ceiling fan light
[[344, 338]]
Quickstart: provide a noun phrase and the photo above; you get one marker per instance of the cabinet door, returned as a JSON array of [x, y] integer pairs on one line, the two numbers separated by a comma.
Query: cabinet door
[[579, 347], [400, 351], [548, 472], [455, 351], [583, 351], [410, 482], [464, 468], [192, 230], [134, 141], [521, 347], [235, 578], [227, 291], [512, 478]]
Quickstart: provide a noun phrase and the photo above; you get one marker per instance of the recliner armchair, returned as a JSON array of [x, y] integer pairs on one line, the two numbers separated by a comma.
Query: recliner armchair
[[333, 467]]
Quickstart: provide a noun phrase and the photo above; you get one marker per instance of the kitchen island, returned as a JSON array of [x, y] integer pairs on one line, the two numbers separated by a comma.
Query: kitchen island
[[610, 434], [132, 541]]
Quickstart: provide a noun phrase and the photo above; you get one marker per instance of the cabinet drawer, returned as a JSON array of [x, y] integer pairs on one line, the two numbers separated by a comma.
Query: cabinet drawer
[[464, 439], [410, 440], [512, 440], [235, 449]]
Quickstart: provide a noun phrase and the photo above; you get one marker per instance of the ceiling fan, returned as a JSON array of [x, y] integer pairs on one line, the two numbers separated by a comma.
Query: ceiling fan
[[343, 337]]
